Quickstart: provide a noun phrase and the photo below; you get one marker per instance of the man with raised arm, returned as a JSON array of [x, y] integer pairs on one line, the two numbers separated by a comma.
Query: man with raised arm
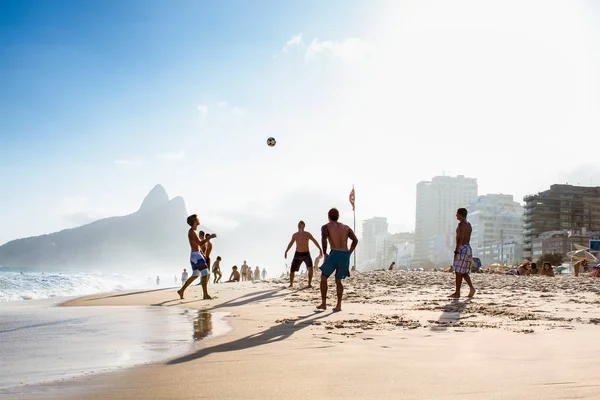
[[463, 255], [338, 260], [302, 254], [199, 266]]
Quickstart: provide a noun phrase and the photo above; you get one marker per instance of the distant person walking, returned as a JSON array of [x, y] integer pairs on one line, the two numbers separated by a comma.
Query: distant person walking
[[463, 254], [338, 260], [199, 266], [257, 274], [216, 269], [264, 274], [391, 268], [184, 276], [302, 254], [157, 280], [244, 271]]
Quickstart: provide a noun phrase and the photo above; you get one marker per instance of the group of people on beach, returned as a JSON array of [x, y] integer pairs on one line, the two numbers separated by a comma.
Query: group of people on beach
[[246, 272], [333, 234]]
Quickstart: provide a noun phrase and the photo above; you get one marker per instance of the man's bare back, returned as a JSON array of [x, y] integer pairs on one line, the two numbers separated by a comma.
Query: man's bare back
[[337, 234]]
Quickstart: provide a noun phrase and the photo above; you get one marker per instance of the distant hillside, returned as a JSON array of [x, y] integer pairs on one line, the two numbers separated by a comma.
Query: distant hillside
[[154, 235]]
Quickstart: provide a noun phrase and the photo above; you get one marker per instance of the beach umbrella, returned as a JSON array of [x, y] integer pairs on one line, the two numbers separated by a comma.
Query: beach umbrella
[[582, 255], [560, 269], [580, 247]]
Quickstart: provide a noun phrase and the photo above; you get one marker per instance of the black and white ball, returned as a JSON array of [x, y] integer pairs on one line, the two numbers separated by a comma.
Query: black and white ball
[[271, 142]]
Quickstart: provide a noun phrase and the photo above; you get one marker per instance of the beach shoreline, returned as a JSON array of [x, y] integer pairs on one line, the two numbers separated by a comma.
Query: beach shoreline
[[520, 337]]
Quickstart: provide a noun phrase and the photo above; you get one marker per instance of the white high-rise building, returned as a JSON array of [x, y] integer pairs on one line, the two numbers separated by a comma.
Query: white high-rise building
[[435, 222], [495, 219], [374, 230]]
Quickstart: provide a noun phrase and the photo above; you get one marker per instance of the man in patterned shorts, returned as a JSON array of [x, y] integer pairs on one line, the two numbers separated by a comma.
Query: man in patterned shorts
[[463, 255]]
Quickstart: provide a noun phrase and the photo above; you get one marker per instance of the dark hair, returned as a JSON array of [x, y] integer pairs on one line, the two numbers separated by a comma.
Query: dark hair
[[333, 214], [191, 219], [201, 233], [234, 267], [462, 211], [301, 222], [218, 258], [547, 263], [533, 265]]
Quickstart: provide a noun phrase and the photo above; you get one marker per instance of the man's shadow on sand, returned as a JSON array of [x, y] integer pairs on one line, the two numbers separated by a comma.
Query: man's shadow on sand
[[239, 301], [274, 334], [450, 314]]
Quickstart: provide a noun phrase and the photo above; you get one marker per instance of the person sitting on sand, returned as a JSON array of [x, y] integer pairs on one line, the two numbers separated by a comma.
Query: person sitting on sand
[[534, 269], [463, 254], [547, 270], [391, 268], [338, 261], [235, 275]]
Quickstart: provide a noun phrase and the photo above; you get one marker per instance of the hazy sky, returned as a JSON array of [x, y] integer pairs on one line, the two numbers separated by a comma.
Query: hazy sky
[[100, 101]]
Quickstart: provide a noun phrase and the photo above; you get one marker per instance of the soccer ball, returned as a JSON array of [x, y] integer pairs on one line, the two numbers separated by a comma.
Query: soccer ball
[[271, 142]]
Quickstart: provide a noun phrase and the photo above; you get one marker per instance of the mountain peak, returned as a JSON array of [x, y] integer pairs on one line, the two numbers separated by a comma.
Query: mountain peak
[[157, 197]]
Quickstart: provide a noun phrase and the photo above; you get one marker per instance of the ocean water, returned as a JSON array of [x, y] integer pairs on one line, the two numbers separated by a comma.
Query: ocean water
[[25, 284], [41, 342]]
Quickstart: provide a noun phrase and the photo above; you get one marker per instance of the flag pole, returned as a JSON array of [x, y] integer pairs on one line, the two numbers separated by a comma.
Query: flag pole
[[354, 212]]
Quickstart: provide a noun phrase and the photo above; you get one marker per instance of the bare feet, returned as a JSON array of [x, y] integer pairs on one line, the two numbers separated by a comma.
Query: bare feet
[[309, 286], [180, 293], [337, 309], [472, 292], [322, 306], [291, 286], [207, 297], [454, 295]]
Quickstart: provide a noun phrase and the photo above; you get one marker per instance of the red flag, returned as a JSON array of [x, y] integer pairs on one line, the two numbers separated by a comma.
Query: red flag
[[351, 198]]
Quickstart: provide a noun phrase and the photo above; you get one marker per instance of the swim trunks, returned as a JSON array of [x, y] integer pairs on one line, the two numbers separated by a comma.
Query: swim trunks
[[463, 259], [338, 261], [198, 263], [299, 258]]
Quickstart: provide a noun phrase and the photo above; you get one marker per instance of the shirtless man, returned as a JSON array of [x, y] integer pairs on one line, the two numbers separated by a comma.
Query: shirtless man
[[338, 260], [302, 254], [245, 271], [199, 266], [462, 253]]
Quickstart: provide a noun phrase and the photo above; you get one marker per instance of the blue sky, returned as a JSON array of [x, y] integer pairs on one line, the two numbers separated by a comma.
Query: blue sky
[[100, 101]]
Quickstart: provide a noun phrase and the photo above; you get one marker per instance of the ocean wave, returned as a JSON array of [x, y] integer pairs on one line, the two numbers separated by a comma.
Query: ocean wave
[[18, 285]]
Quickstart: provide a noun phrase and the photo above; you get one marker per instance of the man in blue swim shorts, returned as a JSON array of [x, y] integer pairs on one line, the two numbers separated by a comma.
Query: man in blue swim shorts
[[338, 260], [197, 260]]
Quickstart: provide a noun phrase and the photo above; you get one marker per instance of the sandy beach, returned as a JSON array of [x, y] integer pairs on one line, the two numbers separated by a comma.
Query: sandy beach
[[397, 337]]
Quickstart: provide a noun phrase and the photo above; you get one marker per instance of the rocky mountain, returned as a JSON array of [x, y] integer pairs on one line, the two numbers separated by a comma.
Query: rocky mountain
[[154, 235]]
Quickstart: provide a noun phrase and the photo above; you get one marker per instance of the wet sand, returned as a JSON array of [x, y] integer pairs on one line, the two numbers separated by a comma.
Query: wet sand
[[398, 336]]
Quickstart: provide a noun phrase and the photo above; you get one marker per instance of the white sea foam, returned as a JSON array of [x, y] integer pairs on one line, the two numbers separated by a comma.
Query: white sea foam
[[26, 285]]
